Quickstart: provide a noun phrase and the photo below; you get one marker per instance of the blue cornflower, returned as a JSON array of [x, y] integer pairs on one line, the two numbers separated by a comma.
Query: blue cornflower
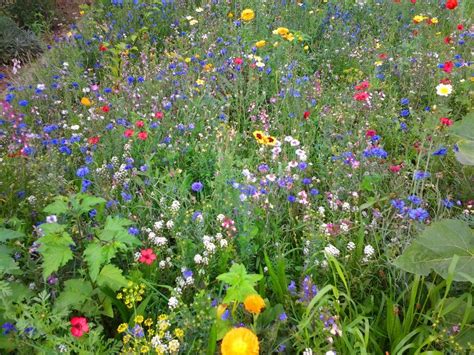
[[414, 199], [23, 103], [197, 186], [82, 171], [419, 214], [85, 185], [404, 101], [283, 317], [133, 231], [291, 198], [405, 112], [314, 192], [419, 175], [8, 328], [92, 213], [440, 151], [399, 205]]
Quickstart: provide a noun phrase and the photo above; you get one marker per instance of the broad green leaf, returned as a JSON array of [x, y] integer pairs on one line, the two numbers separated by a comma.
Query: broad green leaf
[[465, 153], [7, 264], [465, 127], [56, 251], [75, 293], [111, 276], [8, 234], [88, 202], [96, 255], [435, 247], [241, 283], [59, 206], [115, 230]]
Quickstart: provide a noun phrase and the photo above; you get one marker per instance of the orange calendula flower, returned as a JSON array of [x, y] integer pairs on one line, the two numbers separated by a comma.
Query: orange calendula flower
[[86, 102], [240, 341], [254, 304], [247, 15]]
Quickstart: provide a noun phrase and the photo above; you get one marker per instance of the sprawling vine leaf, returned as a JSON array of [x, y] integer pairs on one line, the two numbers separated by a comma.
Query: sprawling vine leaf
[[435, 248]]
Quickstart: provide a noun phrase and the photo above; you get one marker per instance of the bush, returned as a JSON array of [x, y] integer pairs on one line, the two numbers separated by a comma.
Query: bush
[[16, 42], [27, 12]]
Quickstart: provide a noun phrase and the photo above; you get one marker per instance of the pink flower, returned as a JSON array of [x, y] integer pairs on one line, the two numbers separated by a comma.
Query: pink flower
[[159, 115], [370, 133], [448, 66], [79, 326], [147, 256], [128, 133], [361, 96], [363, 85], [238, 61], [446, 121], [142, 135], [395, 168]]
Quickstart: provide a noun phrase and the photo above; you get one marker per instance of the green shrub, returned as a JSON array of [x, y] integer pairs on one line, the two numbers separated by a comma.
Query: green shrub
[[17, 43], [28, 12]]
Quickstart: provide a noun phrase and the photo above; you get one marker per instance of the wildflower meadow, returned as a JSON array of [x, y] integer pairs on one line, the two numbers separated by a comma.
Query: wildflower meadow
[[241, 177]]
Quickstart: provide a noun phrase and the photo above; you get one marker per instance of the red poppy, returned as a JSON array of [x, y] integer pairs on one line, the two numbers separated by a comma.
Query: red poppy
[[395, 168], [448, 40], [460, 27], [413, 1], [370, 133], [448, 66], [363, 85], [306, 115], [451, 4], [159, 115], [94, 140], [383, 56], [446, 121], [105, 108], [361, 96], [79, 326], [142, 135], [128, 133], [102, 48], [147, 256]]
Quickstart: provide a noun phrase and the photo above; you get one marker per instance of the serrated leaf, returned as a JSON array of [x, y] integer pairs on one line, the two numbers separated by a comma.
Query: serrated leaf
[[8, 234], [56, 251], [75, 293], [88, 202], [435, 248], [114, 230], [111, 276], [7, 264], [59, 206], [241, 283], [96, 255]]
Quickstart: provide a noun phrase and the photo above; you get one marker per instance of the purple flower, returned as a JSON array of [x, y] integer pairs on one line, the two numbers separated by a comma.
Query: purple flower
[[8, 328], [419, 214], [283, 317], [420, 175], [197, 186]]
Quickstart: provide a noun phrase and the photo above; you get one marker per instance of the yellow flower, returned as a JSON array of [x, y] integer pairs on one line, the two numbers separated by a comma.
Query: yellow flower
[[259, 136], [148, 322], [289, 37], [86, 102], [162, 317], [144, 349], [378, 63], [269, 140], [306, 48], [260, 44], [247, 15], [200, 82], [281, 31], [230, 15], [254, 304], [434, 20], [240, 341], [122, 327], [139, 319], [419, 18], [126, 338], [179, 333], [208, 67]]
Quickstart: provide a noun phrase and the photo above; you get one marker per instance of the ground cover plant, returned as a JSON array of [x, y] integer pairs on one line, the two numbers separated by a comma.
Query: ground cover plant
[[242, 177]]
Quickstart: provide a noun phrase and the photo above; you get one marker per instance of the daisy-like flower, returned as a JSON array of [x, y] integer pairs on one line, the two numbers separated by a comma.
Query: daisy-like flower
[[240, 341], [444, 89]]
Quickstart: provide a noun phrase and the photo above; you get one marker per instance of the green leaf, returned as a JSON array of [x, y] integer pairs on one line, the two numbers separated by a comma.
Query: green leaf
[[59, 206], [88, 202], [465, 127], [75, 293], [241, 283], [114, 230], [465, 153], [8, 234], [111, 276], [55, 249], [7, 264], [435, 248], [96, 255]]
